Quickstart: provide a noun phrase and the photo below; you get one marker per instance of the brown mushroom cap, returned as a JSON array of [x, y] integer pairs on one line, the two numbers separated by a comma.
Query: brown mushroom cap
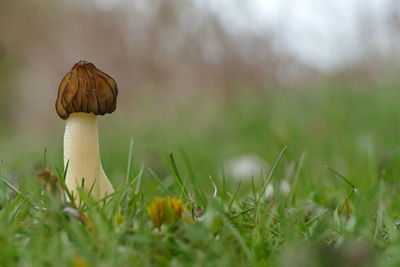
[[86, 89]]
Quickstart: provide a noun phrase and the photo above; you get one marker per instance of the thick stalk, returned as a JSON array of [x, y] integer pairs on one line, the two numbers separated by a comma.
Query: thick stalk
[[81, 152]]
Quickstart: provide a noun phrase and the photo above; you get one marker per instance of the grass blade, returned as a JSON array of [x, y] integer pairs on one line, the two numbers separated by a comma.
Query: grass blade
[[177, 176], [158, 181], [271, 173], [341, 176]]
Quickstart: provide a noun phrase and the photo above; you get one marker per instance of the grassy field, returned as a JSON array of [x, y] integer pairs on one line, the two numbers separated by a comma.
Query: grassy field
[[332, 155]]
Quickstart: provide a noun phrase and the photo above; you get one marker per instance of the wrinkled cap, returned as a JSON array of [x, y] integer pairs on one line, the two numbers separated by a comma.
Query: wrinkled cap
[[86, 89]]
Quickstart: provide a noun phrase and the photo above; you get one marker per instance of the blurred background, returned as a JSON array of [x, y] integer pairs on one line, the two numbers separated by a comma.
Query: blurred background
[[224, 85], [217, 80]]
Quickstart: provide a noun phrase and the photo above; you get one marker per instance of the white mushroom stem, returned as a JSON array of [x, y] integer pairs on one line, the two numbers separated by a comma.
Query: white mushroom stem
[[81, 153]]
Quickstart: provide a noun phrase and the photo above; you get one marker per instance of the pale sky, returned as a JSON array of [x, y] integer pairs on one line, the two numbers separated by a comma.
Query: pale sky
[[324, 33]]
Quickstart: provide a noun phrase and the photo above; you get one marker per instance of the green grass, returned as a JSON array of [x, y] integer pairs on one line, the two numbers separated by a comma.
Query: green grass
[[337, 147]]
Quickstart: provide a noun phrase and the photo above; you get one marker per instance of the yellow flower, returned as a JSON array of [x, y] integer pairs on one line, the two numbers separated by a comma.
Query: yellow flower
[[165, 210], [79, 261], [51, 180], [119, 219], [177, 206], [47, 176]]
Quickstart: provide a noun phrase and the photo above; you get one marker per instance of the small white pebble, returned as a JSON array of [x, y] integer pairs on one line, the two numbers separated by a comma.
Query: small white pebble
[[246, 167], [285, 188], [269, 191]]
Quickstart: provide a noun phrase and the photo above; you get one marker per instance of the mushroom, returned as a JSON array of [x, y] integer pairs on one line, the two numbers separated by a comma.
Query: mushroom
[[84, 93]]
